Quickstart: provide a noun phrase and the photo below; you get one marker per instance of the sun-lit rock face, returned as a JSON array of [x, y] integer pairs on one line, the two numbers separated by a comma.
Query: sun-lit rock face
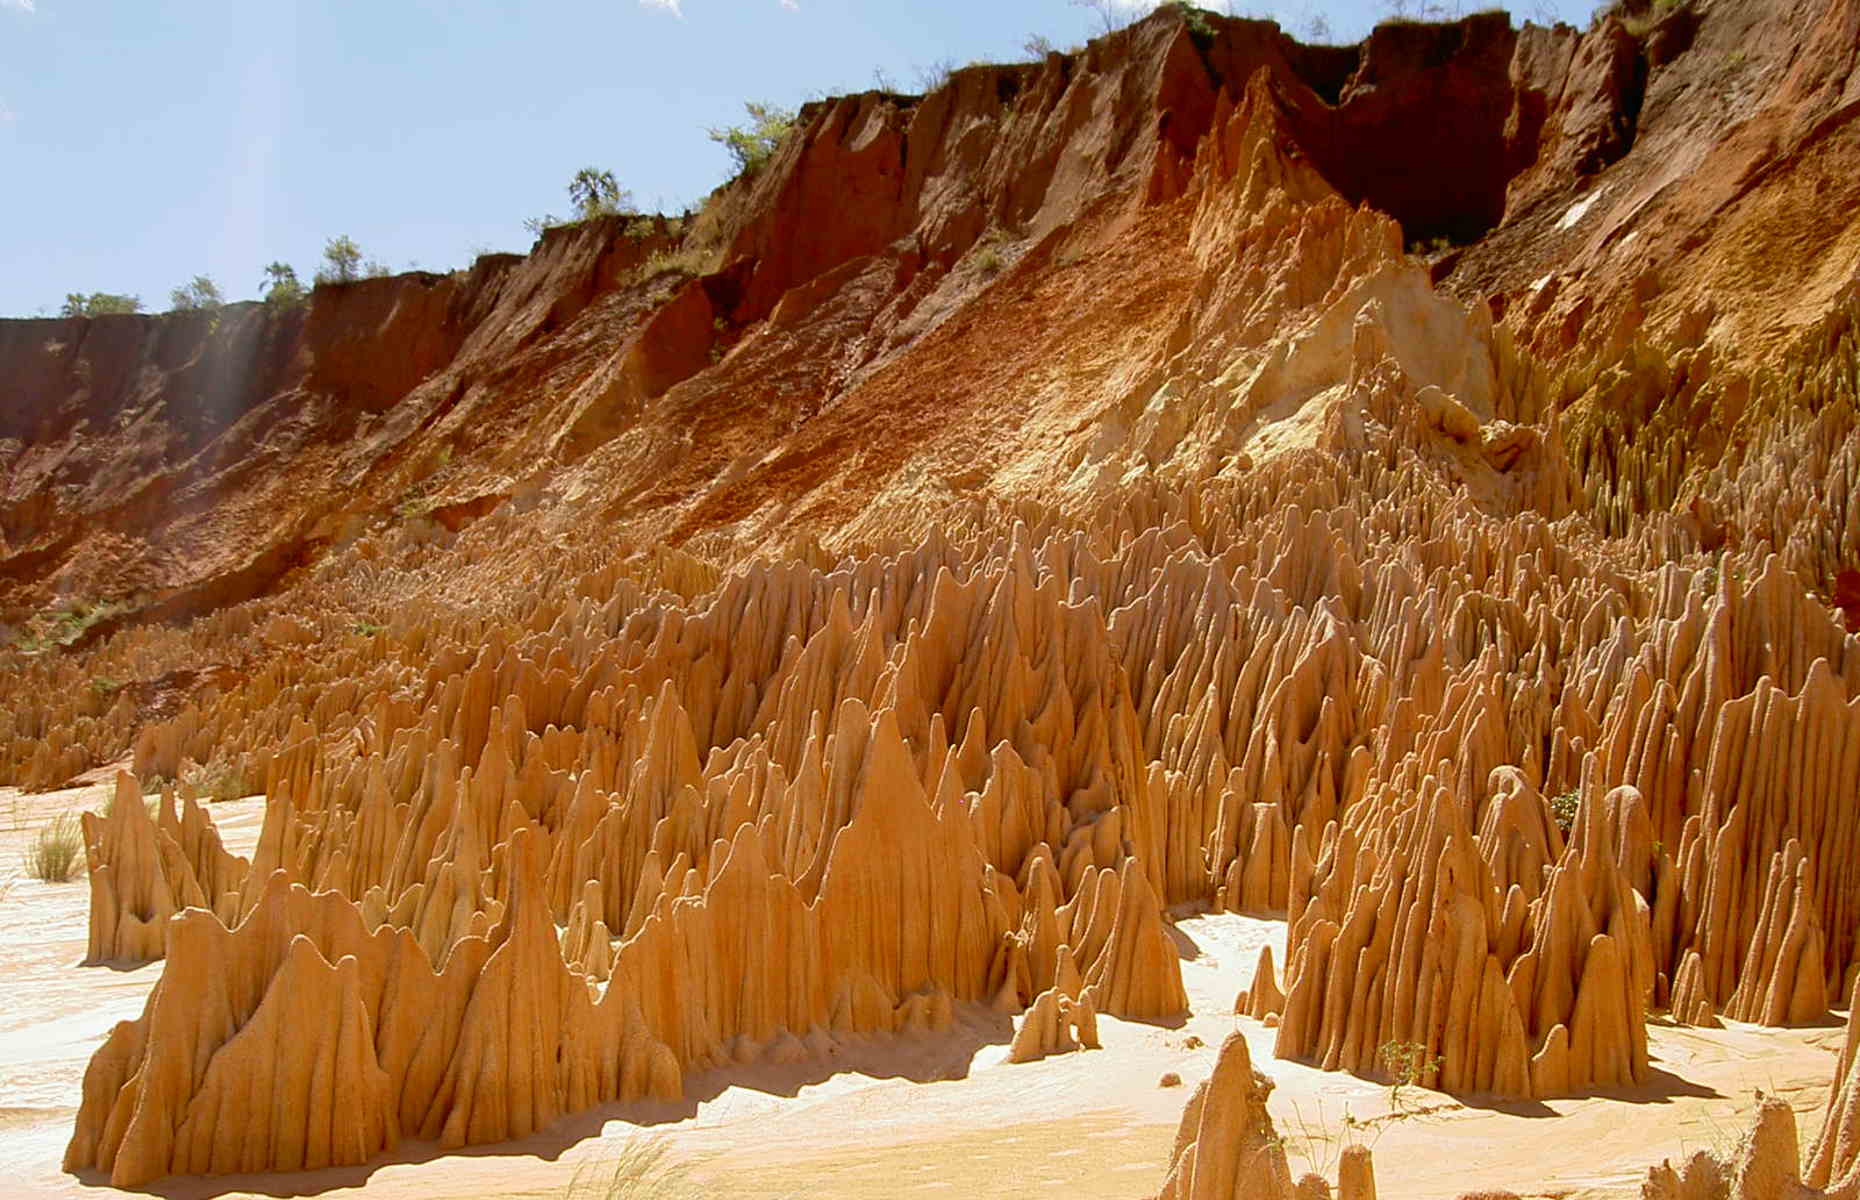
[[1227, 1147], [899, 614]]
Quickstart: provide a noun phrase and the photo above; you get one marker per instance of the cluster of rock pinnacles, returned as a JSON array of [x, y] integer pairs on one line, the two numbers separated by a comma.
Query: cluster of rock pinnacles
[[632, 836]]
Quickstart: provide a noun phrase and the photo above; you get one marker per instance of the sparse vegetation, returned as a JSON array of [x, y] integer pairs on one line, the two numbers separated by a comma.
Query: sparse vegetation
[[1197, 21], [54, 856], [282, 289], [753, 144], [214, 783], [1319, 1146], [1414, 12], [642, 1169], [934, 76], [342, 261], [1408, 1066], [1110, 16], [989, 254], [99, 304], [200, 294], [691, 258], [63, 626], [595, 193], [1563, 809]]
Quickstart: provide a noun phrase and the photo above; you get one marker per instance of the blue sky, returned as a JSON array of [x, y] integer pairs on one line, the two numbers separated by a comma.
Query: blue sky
[[143, 141]]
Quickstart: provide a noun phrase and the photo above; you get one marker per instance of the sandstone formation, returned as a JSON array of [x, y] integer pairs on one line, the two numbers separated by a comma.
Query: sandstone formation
[[143, 870], [1226, 1147], [1116, 509], [1054, 1024], [1834, 1157]]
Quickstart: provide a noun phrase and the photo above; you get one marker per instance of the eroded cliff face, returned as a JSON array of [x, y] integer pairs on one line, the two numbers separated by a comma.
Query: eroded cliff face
[[1075, 476]]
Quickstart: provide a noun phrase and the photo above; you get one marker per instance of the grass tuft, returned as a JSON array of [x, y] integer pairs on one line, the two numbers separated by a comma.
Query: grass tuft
[[642, 1169], [54, 856]]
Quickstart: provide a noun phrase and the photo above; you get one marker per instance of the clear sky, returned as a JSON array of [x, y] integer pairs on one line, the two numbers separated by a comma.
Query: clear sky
[[145, 141]]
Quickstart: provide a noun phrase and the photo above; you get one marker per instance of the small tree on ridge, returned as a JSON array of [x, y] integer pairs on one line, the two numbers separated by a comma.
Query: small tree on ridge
[[282, 289], [342, 261], [200, 294]]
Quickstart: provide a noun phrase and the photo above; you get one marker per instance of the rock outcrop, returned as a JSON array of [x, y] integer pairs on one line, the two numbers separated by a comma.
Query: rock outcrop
[[1226, 1146], [145, 869]]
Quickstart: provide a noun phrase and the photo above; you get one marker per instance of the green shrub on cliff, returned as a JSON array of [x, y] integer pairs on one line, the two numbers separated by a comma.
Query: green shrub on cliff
[[282, 290], [98, 304], [752, 145], [595, 193], [200, 294], [342, 261]]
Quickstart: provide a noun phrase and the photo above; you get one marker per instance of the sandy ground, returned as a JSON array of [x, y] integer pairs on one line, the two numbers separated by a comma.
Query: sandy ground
[[947, 1117]]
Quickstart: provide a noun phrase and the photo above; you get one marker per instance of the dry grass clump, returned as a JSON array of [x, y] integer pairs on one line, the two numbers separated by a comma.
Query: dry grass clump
[[214, 783], [54, 856], [642, 1169]]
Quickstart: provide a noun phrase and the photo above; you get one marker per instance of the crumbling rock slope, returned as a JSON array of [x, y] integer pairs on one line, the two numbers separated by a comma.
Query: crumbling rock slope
[[1119, 505]]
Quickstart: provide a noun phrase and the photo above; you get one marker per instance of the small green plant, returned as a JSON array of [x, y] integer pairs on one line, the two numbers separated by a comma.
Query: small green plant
[[54, 855], [368, 629], [61, 627], [200, 294], [282, 290], [1563, 810], [105, 686], [989, 259], [99, 304], [642, 1169], [1197, 21], [753, 144], [1408, 1066], [595, 193], [342, 261]]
